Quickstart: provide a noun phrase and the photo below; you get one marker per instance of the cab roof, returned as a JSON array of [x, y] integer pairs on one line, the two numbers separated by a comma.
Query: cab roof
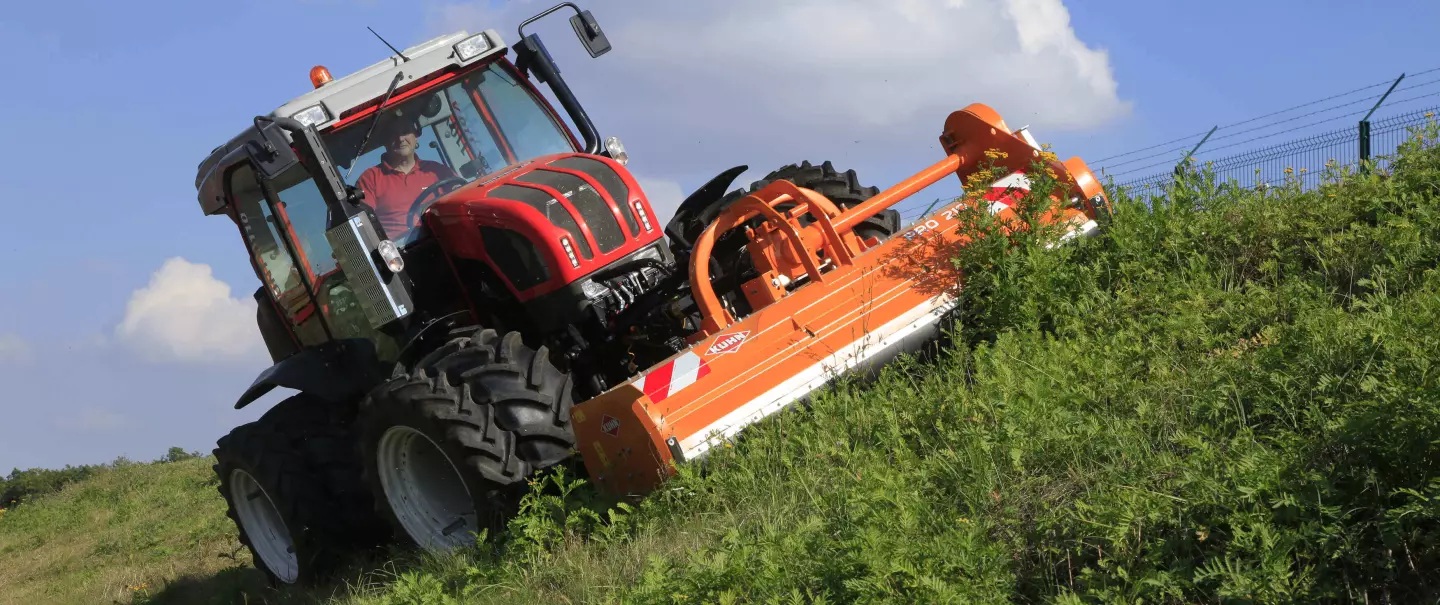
[[339, 96]]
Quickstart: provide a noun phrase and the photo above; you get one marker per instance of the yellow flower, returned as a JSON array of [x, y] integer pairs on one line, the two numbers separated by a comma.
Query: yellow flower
[[1289, 170], [1049, 155], [995, 154], [1429, 114], [1304, 170]]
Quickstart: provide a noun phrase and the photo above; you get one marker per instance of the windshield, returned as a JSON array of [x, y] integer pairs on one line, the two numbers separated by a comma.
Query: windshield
[[475, 126]]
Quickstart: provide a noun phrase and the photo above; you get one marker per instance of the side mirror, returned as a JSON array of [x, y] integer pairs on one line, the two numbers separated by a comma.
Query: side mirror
[[589, 33], [271, 152]]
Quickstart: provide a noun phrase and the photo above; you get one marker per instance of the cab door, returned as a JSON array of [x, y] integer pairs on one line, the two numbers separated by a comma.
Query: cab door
[[283, 222]]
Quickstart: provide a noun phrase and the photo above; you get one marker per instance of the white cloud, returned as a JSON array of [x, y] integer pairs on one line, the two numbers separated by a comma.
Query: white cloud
[[185, 314], [92, 419], [14, 349], [808, 77]]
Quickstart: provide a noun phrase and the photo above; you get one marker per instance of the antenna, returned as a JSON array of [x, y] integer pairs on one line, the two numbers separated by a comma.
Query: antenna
[[392, 47]]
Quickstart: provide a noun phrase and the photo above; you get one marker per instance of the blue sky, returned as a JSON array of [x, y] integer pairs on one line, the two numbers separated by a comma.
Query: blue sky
[[112, 106]]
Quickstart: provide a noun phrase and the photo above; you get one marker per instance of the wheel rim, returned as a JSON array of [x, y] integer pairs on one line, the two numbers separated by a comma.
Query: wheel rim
[[424, 490], [264, 526]]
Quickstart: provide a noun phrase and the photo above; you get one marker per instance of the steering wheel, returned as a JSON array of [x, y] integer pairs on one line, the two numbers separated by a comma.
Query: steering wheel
[[417, 206]]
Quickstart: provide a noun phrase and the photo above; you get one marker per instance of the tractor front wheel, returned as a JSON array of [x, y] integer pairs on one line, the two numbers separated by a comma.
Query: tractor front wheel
[[447, 446]]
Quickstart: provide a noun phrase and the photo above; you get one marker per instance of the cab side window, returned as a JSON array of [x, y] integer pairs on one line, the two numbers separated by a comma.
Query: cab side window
[[301, 216], [262, 233]]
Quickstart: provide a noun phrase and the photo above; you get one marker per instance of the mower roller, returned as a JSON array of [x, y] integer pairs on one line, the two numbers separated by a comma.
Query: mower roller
[[860, 305], [465, 292]]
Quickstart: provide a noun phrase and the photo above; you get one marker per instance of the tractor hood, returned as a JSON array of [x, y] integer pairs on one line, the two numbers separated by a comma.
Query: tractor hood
[[572, 213]]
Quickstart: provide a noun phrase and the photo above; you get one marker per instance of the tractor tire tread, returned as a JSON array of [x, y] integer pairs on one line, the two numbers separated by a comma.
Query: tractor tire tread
[[843, 188], [299, 451]]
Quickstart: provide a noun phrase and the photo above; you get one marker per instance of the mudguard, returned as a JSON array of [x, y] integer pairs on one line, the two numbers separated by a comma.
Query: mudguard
[[334, 372], [699, 209]]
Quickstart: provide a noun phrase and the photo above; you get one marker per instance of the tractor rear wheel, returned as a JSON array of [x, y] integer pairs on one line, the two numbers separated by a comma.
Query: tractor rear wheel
[[294, 490], [447, 445], [843, 188]]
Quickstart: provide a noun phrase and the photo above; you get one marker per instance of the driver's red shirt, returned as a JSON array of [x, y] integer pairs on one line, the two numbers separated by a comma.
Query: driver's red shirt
[[391, 192]]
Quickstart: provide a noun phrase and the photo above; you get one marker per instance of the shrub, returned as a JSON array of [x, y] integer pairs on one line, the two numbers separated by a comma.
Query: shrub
[[24, 485], [20, 485]]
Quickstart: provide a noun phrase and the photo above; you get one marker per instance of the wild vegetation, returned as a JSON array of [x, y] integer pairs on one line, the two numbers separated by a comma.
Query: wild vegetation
[[21, 486], [1230, 396]]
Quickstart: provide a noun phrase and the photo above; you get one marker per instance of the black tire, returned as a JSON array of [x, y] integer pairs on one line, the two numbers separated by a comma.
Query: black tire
[[843, 188], [496, 409], [299, 455]]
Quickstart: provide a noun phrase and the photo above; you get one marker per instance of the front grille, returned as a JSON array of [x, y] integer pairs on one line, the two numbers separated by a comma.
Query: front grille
[[609, 180], [587, 201], [552, 209]]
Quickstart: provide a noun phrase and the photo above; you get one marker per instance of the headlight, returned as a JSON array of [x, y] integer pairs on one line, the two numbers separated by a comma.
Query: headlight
[[471, 47], [616, 149], [314, 115], [390, 253]]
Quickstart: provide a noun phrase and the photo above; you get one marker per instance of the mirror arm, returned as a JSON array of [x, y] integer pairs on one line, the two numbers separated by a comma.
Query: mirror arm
[[533, 56], [546, 12]]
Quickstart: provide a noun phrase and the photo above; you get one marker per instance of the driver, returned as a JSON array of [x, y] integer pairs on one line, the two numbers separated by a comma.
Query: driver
[[392, 185]]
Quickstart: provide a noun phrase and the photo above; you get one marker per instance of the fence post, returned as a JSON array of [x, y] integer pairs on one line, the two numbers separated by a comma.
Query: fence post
[[1365, 126], [1180, 168], [1364, 143]]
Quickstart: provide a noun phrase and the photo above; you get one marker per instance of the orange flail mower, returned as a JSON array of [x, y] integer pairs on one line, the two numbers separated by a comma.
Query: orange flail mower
[[826, 303]]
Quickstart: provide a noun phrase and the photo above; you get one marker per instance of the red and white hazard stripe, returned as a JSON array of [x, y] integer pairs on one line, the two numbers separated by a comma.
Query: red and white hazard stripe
[[668, 378], [1006, 192]]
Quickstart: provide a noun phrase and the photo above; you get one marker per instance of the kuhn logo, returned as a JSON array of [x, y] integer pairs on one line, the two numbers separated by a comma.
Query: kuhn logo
[[611, 426], [728, 344]]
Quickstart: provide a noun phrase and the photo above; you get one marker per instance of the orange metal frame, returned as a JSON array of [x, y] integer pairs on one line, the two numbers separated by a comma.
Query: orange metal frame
[[862, 303]]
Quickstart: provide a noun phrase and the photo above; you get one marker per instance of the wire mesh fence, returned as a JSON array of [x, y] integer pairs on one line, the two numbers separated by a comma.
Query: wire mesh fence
[[1321, 133], [1303, 159], [1388, 134]]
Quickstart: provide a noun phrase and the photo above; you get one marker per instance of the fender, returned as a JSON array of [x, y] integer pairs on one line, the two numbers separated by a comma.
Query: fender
[[699, 209], [431, 335], [273, 330], [335, 372]]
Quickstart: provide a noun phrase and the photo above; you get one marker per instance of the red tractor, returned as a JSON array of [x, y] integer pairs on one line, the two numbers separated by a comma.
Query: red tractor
[[463, 293], [540, 236]]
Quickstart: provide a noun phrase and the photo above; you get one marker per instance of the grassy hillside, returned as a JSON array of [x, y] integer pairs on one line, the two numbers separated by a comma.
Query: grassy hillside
[[117, 534], [1231, 396]]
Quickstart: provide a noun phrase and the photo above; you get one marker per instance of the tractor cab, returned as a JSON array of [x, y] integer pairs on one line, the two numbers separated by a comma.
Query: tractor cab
[[330, 189], [464, 127]]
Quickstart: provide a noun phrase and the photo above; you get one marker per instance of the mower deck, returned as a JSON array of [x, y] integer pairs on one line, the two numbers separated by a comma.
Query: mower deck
[[862, 313]]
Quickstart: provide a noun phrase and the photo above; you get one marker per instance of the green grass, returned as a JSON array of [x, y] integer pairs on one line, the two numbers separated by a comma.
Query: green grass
[[121, 532], [1231, 396]]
